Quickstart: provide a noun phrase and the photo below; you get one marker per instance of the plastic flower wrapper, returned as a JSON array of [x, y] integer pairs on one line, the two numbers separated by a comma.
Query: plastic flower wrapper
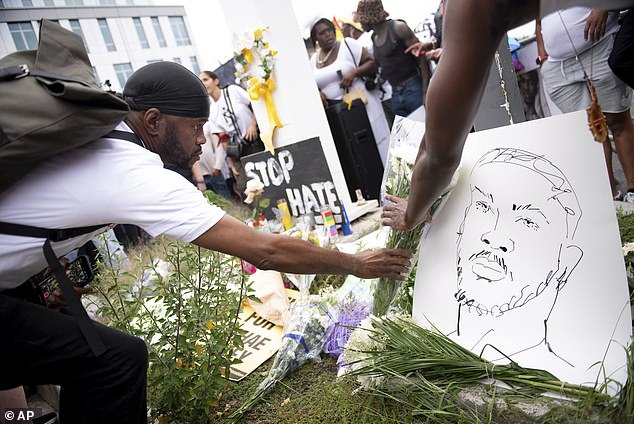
[[305, 334], [397, 181], [350, 312]]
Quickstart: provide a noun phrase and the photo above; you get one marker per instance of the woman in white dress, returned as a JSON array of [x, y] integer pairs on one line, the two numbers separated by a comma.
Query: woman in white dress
[[338, 66]]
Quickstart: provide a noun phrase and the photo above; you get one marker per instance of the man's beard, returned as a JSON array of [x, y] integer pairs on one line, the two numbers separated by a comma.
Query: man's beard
[[172, 153], [468, 296]]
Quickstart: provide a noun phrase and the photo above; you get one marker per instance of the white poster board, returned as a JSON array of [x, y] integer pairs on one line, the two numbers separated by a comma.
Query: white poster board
[[526, 255]]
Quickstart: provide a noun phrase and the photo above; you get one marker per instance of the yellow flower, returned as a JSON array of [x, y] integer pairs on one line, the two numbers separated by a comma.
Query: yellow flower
[[210, 325], [257, 34], [266, 46], [273, 52], [179, 362], [248, 55]]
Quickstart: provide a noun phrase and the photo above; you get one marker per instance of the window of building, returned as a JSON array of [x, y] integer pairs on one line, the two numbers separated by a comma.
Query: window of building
[[177, 60], [123, 71], [74, 2], [107, 2], [107, 36], [23, 35], [180, 31], [76, 28], [27, 3], [49, 3], [141, 33], [158, 31], [195, 67], [154, 60]]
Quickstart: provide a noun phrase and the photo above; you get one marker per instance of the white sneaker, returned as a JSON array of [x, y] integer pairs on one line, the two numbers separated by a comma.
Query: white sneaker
[[629, 197]]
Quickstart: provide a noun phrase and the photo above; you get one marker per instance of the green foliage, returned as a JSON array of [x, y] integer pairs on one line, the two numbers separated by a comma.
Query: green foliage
[[189, 321], [626, 227]]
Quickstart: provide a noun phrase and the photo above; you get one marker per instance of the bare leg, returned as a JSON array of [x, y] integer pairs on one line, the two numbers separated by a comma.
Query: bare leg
[[607, 152], [622, 129]]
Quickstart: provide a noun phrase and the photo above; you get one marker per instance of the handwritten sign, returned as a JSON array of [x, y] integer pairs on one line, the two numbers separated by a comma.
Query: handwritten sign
[[263, 340], [299, 174]]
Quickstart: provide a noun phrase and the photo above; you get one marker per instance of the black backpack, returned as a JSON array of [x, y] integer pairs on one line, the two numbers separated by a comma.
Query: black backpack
[[50, 103]]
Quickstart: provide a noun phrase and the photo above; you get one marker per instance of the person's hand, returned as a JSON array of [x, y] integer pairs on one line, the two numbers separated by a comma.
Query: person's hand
[[434, 54], [251, 133], [419, 48], [595, 25], [347, 80], [56, 300], [391, 263], [393, 214]]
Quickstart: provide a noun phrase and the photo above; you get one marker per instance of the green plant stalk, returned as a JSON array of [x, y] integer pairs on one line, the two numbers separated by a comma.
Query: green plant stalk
[[412, 351]]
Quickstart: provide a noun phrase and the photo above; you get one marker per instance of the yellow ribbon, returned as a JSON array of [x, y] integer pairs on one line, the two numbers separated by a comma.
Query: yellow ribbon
[[259, 89]]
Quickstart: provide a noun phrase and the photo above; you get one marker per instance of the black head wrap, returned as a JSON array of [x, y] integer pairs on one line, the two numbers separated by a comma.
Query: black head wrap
[[169, 87]]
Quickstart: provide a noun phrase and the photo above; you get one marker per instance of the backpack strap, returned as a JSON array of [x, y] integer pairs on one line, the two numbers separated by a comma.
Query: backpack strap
[[77, 310], [86, 326]]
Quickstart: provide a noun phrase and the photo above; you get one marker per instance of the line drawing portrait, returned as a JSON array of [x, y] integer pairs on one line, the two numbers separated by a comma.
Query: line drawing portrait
[[515, 251]]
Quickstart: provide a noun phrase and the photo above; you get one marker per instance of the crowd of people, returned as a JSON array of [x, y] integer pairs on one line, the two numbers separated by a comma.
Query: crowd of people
[[187, 122]]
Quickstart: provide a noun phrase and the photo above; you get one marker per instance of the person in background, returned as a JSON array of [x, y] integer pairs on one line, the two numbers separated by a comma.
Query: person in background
[[473, 30], [382, 90], [231, 115], [338, 67], [576, 42], [212, 171], [399, 55]]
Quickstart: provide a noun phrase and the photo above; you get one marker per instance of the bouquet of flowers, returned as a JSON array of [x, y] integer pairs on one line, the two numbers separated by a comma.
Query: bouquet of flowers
[[305, 334], [397, 182]]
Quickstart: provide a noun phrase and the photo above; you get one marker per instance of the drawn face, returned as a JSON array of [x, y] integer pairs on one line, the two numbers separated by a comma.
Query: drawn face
[[511, 238]]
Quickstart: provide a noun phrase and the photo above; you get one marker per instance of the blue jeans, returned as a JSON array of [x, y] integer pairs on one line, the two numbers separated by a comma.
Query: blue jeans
[[407, 96], [218, 185]]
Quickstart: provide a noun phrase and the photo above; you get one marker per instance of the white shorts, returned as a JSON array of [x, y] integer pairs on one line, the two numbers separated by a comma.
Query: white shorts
[[565, 84]]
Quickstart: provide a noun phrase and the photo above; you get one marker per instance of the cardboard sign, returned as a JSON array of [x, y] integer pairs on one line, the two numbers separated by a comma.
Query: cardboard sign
[[263, 340], [299, 174], [526, 256]]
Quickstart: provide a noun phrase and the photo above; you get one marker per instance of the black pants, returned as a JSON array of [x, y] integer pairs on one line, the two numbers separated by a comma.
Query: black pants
[[42, 346]]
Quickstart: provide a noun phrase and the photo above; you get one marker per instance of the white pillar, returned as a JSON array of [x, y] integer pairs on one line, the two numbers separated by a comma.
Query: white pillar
[[296, 96]]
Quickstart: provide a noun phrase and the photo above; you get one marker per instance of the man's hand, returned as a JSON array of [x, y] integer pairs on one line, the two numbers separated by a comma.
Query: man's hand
[[393, 213], [595, 25], [391, 263], [56, 300], [434, 55], [419, 48]]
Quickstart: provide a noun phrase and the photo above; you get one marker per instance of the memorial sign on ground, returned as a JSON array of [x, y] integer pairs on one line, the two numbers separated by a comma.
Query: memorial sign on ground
[[299, 174]]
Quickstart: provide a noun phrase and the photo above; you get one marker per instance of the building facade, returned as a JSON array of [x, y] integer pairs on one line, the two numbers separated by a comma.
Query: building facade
[[120, 35]]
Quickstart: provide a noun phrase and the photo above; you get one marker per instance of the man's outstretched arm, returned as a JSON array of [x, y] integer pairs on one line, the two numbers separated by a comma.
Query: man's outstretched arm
[[287, 254]]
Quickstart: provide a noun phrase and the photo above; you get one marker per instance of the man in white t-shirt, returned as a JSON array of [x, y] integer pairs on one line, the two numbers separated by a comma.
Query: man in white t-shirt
[[113, 180]]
